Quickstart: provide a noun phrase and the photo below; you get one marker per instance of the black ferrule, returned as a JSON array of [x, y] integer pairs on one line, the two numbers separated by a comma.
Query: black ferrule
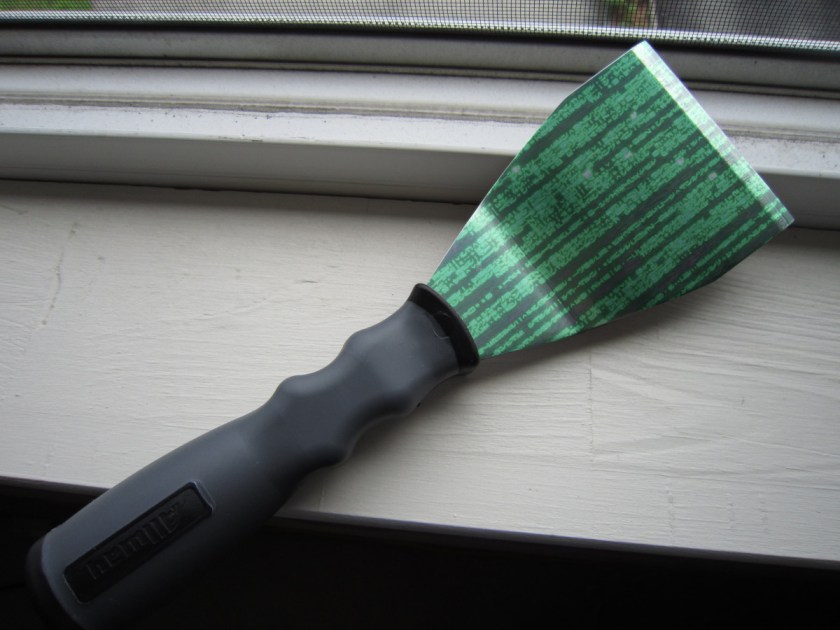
[[459, 336]]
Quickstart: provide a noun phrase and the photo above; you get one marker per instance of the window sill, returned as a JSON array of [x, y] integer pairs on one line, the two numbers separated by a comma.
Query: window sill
[[137, 318]]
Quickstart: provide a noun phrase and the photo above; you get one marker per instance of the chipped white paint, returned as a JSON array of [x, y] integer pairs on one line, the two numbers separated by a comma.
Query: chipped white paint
[[133, 319]]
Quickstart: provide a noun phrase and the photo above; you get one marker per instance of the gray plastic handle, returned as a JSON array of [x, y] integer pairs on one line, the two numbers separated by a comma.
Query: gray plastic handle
[[137, 542]]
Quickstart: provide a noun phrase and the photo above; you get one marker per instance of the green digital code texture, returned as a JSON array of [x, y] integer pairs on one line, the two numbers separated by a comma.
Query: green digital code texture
[[629, 195]]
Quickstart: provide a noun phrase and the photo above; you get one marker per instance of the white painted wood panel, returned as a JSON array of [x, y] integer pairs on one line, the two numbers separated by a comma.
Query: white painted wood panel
[[133, 319]]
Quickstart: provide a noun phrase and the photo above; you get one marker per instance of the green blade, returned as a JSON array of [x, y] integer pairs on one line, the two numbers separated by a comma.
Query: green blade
[[627, 196]]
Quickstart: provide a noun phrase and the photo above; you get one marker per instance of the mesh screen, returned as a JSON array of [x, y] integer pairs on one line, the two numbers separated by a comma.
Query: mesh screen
[[812, 25]]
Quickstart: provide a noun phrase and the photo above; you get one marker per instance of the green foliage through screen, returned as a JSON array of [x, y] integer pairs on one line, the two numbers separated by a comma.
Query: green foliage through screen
[[45, 5]]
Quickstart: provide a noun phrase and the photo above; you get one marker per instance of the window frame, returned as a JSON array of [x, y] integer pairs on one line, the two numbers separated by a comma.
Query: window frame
[[413, 116]]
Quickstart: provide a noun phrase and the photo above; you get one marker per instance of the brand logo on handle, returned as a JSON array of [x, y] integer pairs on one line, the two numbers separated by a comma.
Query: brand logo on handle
[[136, 543]]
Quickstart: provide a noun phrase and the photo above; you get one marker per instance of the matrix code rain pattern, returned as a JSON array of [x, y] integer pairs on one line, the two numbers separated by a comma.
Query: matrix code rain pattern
[[627, 196]]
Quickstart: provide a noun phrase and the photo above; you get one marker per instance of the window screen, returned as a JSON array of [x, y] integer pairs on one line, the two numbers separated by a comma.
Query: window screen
[[810, 25]]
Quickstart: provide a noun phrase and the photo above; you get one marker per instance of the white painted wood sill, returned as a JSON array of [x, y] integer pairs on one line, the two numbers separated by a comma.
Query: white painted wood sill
[[136, 317]]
